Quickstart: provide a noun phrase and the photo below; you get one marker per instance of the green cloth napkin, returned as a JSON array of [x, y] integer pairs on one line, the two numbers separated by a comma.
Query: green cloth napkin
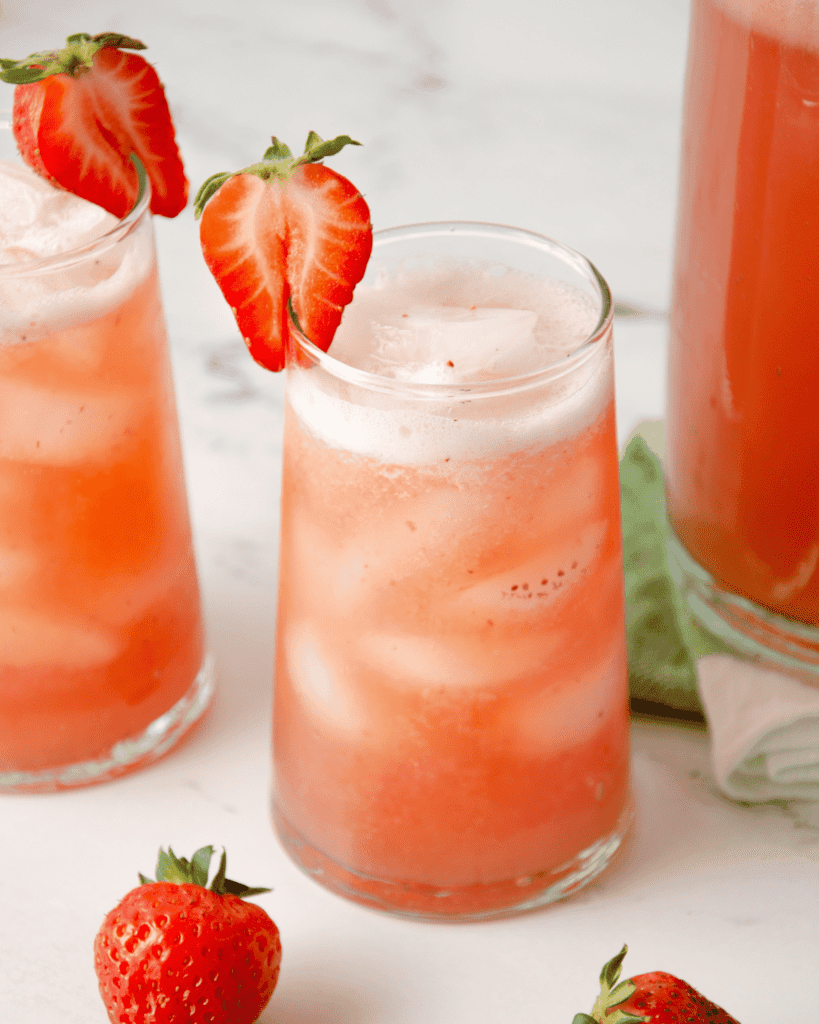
[[663, 642]]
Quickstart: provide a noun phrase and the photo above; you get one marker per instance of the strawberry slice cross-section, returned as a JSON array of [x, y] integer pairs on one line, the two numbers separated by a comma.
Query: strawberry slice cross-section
[[81, 112], [285, 232]]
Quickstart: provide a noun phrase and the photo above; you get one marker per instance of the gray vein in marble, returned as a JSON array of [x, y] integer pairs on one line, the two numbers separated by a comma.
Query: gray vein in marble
[[228, 361], [197, 788], [429, 75], [247, 561]]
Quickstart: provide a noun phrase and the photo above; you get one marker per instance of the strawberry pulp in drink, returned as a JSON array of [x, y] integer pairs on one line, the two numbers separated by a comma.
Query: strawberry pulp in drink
[[743, 434], [451, 719], [100, 624]]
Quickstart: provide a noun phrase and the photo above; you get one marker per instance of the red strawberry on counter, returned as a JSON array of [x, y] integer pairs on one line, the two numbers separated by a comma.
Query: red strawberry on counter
[[287, 230], [80, 112], [174, 950], [655, 998]]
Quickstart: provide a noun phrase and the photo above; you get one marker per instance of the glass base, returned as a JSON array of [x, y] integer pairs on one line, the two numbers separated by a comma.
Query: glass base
[[464, 903], [128, 755], [745, 628]]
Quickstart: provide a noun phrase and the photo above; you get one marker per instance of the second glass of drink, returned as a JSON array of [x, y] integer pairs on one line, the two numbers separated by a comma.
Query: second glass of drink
[[451, 708]]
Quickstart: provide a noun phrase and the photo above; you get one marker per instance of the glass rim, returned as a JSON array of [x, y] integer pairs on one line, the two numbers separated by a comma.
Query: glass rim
[[101, 243], [503, 385]]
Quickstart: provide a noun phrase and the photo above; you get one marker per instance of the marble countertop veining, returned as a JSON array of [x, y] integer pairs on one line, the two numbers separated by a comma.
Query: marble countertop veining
[[560, 117]]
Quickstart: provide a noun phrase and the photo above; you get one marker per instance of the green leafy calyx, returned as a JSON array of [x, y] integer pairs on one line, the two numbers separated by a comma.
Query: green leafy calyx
[[277, 162], [180, 871], [613, 992], [74, 59]]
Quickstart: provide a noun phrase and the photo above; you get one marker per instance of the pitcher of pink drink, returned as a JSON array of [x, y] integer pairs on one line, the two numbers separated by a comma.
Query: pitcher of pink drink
[[743, 432]]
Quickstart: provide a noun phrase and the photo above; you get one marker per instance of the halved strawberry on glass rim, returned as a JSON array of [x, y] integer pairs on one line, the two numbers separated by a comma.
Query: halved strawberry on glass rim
[[285, 231], [81, 112]]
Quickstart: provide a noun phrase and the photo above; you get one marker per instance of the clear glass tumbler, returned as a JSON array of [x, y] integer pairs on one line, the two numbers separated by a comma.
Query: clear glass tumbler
[[451, 713], [102, 659], [742, 428]]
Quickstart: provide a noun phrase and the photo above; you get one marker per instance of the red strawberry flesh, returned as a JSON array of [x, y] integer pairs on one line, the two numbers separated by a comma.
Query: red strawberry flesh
[[285, 231], [79, 127]]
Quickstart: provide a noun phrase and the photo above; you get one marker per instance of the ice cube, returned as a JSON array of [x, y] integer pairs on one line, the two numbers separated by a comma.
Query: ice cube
[[569, 709], [439, 344], [16, 566], [320, 685], [318, 565], [492, 659], [415, 542], [64, 428], [75, 354], [33, 638], [534, 587], [126, 598]]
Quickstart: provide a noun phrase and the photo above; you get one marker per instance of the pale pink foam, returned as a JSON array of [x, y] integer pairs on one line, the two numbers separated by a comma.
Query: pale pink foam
[[547, 317], [39, 221]]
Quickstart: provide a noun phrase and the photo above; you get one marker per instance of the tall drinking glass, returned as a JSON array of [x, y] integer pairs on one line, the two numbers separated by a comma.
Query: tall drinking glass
[[743, 431], [451, 717], [102, 663]]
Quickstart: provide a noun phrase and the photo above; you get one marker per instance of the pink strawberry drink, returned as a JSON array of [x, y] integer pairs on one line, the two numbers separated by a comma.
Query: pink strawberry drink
[[451, 719], [100, 628], [743, 434]]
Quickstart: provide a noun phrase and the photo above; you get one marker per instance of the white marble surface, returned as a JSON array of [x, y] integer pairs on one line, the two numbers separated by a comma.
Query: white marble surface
[[558, 116]]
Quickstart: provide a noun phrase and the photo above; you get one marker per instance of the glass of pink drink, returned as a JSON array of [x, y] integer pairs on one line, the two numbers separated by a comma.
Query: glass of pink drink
[[743, 432], [451, 716], [102, 663]]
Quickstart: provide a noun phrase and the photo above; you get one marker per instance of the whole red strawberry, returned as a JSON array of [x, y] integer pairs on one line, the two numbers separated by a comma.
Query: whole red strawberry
[[174, 950], [658, 998], [80, 112], [287, 231]]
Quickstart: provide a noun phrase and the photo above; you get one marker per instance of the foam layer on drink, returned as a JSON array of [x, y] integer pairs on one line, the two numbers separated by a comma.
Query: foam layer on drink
[[456, 323], [38, 221], [453, 326], [795, 21]]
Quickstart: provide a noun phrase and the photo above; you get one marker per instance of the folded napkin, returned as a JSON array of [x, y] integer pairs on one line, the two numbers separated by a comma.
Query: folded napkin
[[763, 724], [764, 730]]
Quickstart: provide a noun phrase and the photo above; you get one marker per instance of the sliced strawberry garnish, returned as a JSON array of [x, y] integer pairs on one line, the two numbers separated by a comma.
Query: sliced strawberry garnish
[[285, 230], [80, 112]]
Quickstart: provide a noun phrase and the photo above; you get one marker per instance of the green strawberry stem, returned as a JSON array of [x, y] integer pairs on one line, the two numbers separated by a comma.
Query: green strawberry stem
[[294, 317], [74, 59], [180, 871], [142, 178], [277, 162], [606, 1005]]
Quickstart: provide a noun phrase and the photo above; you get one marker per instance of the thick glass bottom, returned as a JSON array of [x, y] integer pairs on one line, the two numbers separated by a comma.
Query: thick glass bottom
[[464, 903], [128, 755], [744, 627]]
